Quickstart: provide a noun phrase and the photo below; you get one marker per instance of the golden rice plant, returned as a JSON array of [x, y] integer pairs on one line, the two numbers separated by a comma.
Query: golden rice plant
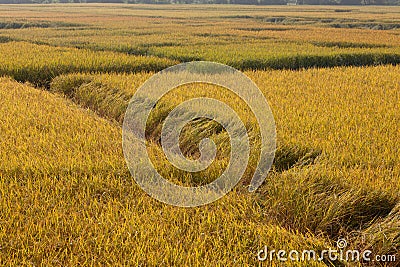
[[68, 199]]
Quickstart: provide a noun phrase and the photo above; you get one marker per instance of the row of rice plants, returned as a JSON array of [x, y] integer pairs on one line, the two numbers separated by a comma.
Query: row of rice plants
[[328, 117], [39, 64]]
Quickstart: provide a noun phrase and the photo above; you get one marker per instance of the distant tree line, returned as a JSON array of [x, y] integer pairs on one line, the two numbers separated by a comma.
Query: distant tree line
[[244, 2]]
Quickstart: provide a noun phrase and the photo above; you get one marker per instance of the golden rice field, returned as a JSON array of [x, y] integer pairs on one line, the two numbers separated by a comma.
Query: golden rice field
[[331, 78]]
